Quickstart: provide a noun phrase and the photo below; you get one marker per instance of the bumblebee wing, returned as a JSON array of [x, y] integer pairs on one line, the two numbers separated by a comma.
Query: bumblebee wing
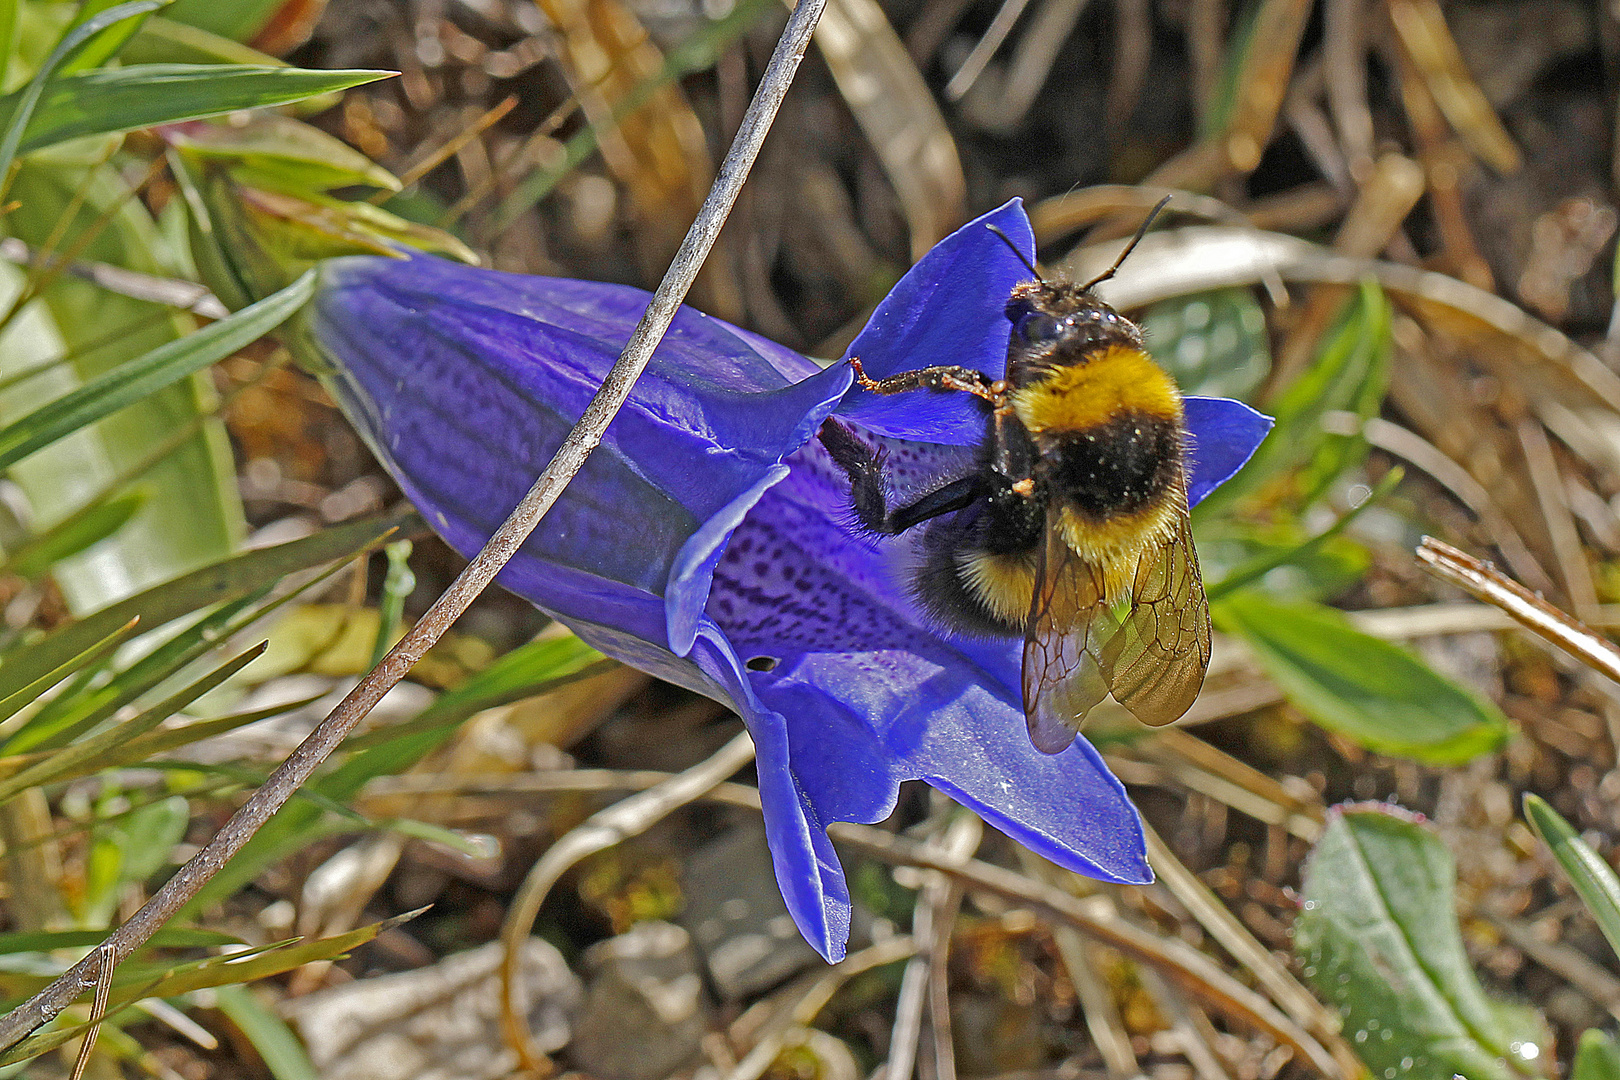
[[1154, 663], [1068, 625]]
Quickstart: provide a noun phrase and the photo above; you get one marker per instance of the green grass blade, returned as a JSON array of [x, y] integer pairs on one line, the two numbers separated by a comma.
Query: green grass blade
[[1587, 871], [95, 652], [73, 534], [27, 99], [65, 718], [268, 1033], [123, 99], [103, 46], [159, 368], [133, 985], [229, 579], [87, 755]]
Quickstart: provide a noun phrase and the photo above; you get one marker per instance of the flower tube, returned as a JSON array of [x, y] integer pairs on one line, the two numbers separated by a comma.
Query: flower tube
[[709, 539]]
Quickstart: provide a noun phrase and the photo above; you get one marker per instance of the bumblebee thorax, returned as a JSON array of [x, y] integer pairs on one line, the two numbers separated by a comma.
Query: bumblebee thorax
[[1059, 324]]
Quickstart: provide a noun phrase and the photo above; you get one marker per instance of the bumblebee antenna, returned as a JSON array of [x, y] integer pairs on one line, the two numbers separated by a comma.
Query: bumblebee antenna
[[1005, 239], [1130, 247]]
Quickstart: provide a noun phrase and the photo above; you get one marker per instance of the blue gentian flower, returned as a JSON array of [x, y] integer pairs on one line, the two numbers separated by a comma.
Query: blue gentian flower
[[709, 540]]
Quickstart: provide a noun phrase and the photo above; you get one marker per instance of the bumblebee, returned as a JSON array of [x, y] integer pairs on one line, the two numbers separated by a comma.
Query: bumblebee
[[1073, 529]]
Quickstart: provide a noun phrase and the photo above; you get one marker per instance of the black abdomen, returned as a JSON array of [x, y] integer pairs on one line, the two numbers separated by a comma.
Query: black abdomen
[[1115, 468]]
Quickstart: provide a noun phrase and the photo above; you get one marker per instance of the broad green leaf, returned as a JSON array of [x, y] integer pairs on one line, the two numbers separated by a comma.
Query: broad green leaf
[[1596, 1057], [16, 118], [111, 100], [224, 581], [1212, 343], [1377, 936], [1361, 686], [168, 443], [73, 534], [157, 369], [1588, 872], [268, 1034]]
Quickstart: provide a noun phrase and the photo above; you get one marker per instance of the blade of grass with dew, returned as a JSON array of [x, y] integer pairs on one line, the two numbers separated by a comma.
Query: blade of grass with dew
[[123, 99], [201, 975], [1359, 686], [1594, 880], [1377, 937]]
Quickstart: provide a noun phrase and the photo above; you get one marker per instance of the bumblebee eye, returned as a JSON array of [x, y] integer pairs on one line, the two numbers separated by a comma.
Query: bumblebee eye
[[1039, 329]]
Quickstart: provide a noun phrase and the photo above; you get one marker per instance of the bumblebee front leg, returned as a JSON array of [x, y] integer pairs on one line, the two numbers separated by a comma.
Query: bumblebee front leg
[[947, 377], [868, 495]]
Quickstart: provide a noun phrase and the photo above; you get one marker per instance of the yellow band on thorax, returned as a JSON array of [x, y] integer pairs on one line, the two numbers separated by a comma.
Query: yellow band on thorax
[[1120, 379]]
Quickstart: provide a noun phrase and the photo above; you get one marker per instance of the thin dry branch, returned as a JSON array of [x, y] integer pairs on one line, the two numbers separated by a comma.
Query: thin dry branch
[[1526, 608]]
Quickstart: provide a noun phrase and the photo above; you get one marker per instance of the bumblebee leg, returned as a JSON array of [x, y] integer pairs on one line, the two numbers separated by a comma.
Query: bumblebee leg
[[868, 495], [949, 377]]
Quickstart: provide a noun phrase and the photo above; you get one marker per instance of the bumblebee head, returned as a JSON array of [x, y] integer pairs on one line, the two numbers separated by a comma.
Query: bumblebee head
[[1064, 323]]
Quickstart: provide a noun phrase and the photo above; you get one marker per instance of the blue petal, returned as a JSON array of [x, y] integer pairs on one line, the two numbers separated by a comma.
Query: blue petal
[[1225, 434], [464, 382], [949, 309]]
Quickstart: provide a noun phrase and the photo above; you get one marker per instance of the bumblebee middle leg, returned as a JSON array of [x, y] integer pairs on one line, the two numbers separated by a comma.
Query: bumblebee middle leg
[[868, 495]]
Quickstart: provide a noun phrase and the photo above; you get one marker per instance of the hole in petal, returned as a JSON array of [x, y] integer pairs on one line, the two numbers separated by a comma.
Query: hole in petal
[[763, 663]]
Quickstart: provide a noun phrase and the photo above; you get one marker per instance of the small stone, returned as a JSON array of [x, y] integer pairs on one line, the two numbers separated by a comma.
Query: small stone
[[737, 917], [645, 1013], [436, 1023]]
